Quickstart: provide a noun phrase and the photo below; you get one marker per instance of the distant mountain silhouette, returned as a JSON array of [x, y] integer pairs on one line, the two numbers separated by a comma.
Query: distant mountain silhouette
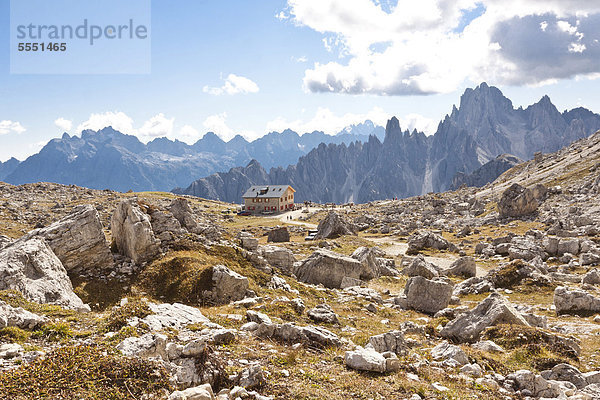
[[108, 159]]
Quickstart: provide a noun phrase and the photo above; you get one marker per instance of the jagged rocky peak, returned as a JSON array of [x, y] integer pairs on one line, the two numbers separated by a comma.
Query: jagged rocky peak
[[544, 104], [393, 125], [254, 168], [393, 132], [364, 128], [544, 112], [483, 102], [410, 163]]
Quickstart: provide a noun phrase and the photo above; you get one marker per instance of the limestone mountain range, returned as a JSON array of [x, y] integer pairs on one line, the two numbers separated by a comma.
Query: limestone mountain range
[[109, 159], [404, 164]]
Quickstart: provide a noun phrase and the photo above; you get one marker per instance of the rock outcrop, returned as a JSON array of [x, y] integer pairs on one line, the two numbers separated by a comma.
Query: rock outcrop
[[493, 310], [464, 266], [181, 210], [517, 201], [328, 268], [428, 296], [575, 301], [78, 240], [132, 232], [278, 235], [333, 226], [278, 257], [292, 333], [374, 260], [422, 240], [390, 341], [225, 286], [487, 173], [30, 267], [420, 267]]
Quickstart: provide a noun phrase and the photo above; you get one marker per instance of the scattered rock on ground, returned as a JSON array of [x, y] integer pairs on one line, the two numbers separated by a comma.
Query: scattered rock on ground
[[422, 240], [333, 226], [517, 201], [493, 310], [18, 317], [323, 313], [278, 235], [428, 296]]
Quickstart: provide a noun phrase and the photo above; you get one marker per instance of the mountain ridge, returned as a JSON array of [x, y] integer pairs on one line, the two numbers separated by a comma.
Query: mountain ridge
[[405, 164], [109, 159]]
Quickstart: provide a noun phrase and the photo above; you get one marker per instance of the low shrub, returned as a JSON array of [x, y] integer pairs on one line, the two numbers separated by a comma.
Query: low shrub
[[84, 372], [119, 315]]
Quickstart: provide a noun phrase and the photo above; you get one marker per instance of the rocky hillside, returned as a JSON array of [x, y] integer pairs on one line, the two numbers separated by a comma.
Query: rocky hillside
[[109, 159], [487, 173], [409, 163], [488, 293], [574, 168]]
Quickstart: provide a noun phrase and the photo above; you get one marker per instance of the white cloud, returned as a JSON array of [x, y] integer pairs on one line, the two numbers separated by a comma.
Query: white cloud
[[429, 49], [282, 16], [64, 124], [188, 134], [8, 126], [301, 59], [217, 124], [157, 126], [234, 84], [566, 27], [117, 119], [327, 121], [576, 48], [418, 122]]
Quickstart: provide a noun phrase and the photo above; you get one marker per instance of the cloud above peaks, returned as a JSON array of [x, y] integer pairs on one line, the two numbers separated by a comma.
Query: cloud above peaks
[[117, 119], [157, 126], [217, 124], [234, 84], [327, 121], [64, 124], [7, 126], [435, 46]]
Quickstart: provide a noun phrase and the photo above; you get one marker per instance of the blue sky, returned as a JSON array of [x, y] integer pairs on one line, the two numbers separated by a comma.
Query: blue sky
[[306, 65]]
